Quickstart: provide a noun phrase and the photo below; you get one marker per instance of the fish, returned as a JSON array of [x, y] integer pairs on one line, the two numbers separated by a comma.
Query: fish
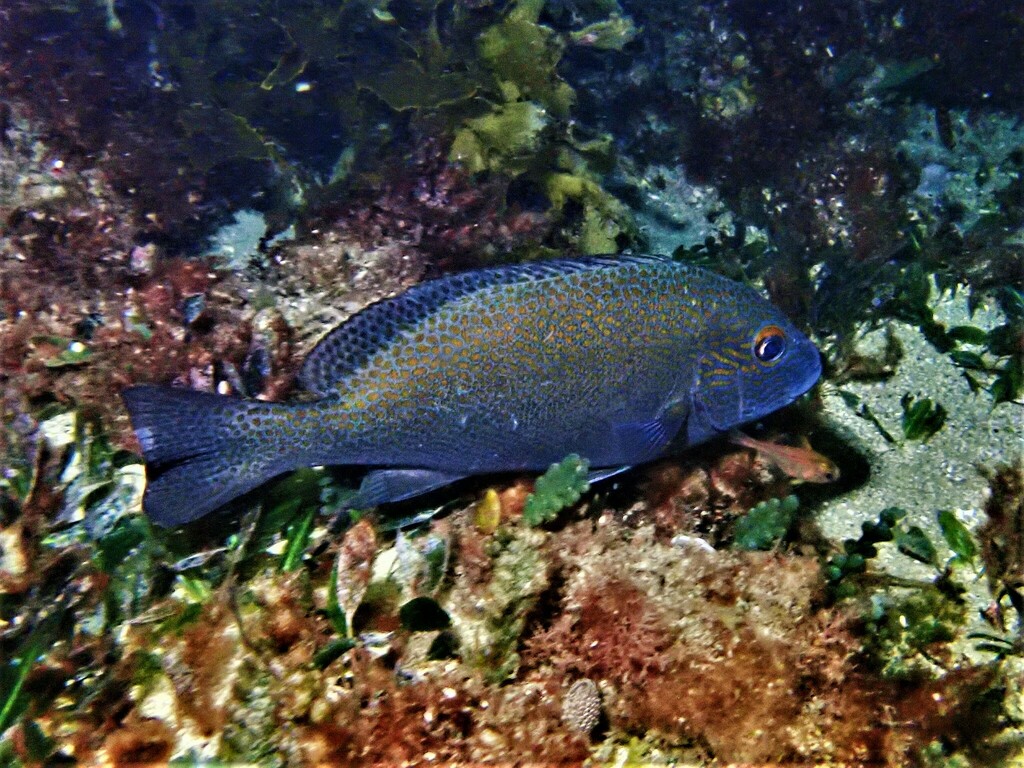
[[619, 359], [800, 462]]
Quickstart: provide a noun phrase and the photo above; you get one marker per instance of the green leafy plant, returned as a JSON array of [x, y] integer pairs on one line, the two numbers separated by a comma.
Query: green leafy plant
[[1000, 359], [72, 352], [560, 487], [16, 702], [766, 524], [12, 682], [904, 630], [297, 535], [997, 355], [922, 417], [958, 538], [1005, 341], [911, 541], [915, 544], [610, 34]]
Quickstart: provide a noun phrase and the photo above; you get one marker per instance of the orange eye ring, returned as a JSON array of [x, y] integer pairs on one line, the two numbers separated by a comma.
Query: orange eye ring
[[769, 344]]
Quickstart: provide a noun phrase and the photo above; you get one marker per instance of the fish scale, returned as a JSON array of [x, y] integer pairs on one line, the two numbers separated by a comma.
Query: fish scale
[[539, 347], [618, 359]]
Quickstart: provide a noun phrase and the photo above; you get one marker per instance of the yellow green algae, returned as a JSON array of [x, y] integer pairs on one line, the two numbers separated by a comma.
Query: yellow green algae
[[611, 33]]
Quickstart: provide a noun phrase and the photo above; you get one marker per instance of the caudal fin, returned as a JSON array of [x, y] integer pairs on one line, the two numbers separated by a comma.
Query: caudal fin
[[201, 450]]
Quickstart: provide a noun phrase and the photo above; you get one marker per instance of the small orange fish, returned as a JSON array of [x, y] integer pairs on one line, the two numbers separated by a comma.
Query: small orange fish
[[800, 462]]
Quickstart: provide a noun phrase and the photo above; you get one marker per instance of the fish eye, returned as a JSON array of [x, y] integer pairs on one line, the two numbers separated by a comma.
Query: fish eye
[[769, 344]]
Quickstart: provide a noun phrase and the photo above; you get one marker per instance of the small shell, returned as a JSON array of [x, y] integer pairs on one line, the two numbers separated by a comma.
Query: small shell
[[581, 706]]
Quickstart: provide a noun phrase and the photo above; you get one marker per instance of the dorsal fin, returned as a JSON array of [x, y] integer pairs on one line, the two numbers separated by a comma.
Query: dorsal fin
[[345, 349]]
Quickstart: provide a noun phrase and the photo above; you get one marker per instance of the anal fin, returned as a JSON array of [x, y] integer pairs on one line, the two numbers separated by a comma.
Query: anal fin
[[385, 486], [597, 475]]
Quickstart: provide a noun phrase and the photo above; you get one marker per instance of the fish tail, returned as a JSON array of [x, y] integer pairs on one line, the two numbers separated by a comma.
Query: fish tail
[[201, 449]]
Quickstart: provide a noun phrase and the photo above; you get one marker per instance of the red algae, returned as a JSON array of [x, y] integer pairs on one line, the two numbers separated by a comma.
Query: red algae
[[446, 214], [610, 631], [704, 498], [733, 654], [146, 741]]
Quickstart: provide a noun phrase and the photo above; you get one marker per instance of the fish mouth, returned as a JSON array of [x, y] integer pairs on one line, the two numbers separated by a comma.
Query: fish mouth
[[812, 368]]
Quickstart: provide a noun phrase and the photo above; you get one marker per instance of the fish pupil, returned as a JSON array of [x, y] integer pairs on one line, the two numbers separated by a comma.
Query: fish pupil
[[769, 348]]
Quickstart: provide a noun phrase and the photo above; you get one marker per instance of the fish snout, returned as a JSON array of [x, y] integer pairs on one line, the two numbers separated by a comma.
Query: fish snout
[[806, 368]]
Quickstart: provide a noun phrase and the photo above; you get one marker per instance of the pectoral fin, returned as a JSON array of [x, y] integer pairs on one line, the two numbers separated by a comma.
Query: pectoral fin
[[638, 442]]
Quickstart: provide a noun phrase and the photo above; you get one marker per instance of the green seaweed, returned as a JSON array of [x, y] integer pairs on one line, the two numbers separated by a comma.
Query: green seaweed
[[906, 622], [195, 589], [939, 754], [520, 573], [911, 541], [605, 219], [430, 564], [1005, 341], [48, 628], [900, 74], [12, 682], [481, 80], [130, 555], [291, 64], [1006, 372], [100, 484], [766, 524], [861, 409], [332, 651], [915, 544], [903, 632], [297, 535], [408, 86], [958, 538], [289, 508], [911, 303], [334, 610], [74, 353], [560, 487], [968, 334], [856, 552], [524, 131], [922, 417]]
